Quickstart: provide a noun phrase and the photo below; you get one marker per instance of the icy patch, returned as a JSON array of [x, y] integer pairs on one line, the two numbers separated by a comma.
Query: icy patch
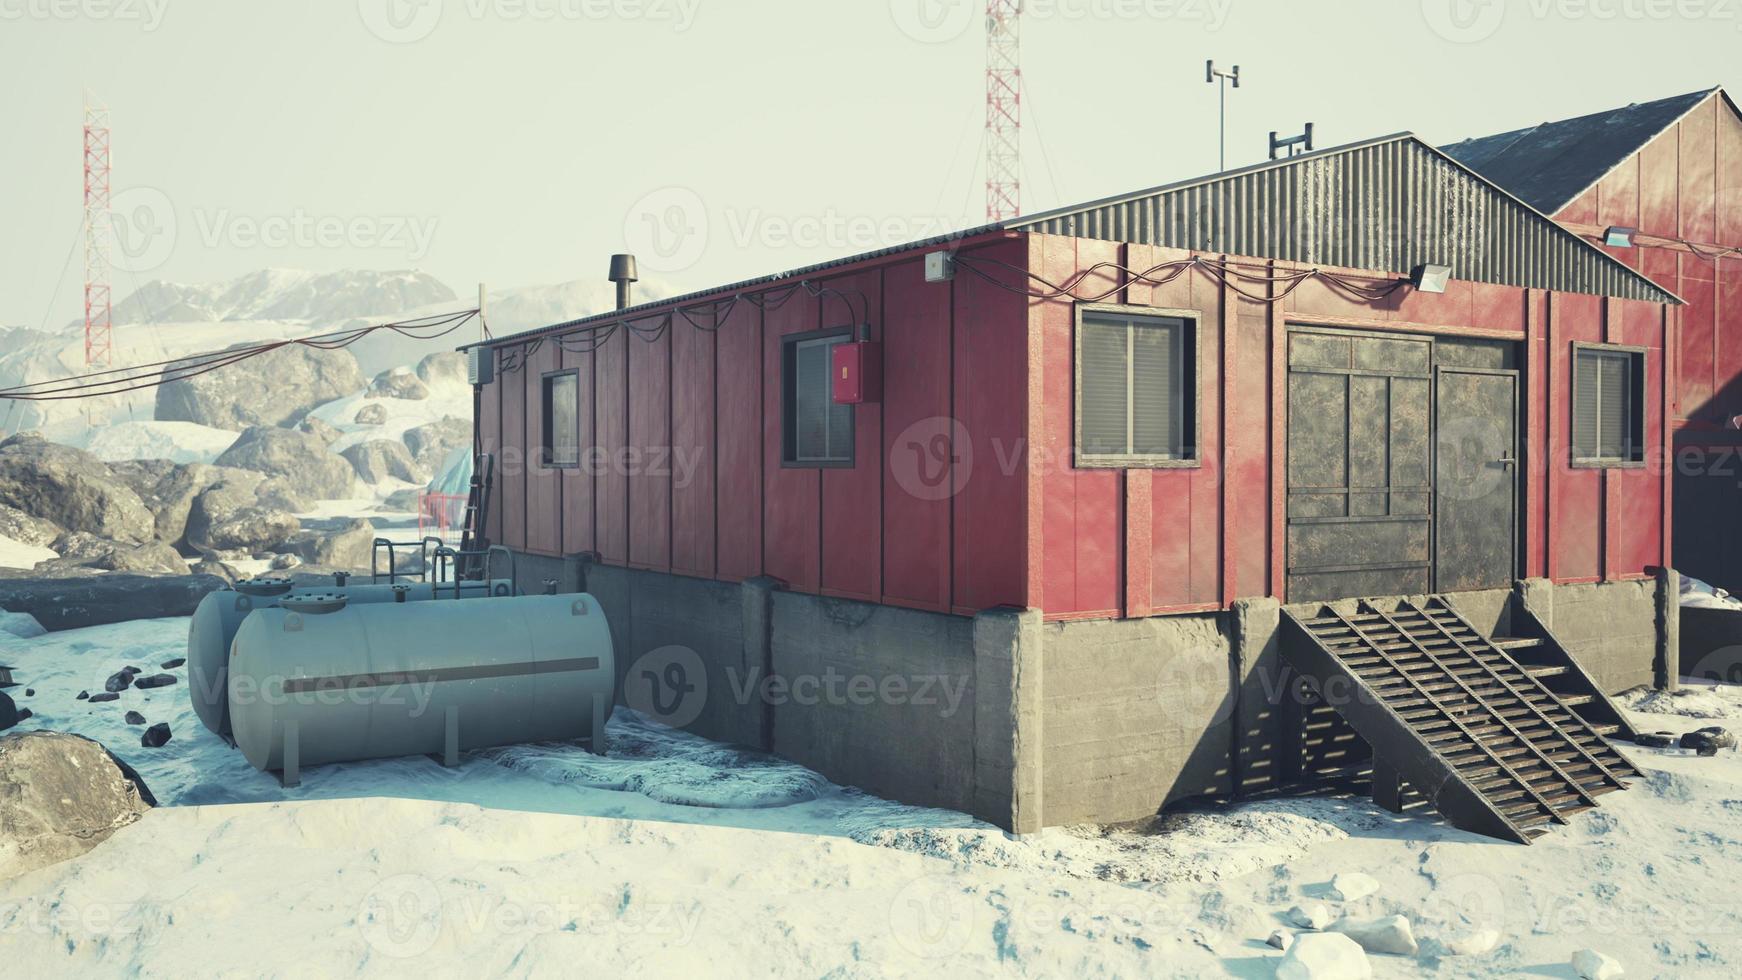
[[17, 554], [178, 442], [1690, 702], [669, 767]]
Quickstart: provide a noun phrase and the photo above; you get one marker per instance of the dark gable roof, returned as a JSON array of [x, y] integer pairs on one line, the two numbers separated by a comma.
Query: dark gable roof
[[1550, 165], [1386, 205]]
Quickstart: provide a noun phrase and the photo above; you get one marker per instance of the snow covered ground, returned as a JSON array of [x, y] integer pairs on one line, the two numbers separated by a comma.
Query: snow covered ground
[[677, 856], [17, 554]]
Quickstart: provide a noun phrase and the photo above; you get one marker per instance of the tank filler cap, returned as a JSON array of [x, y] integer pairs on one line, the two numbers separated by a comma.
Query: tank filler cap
[[314, 603], [265, 586]]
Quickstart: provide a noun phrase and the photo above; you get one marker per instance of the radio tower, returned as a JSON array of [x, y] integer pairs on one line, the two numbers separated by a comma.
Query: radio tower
[[1003, 110], [99, 229]]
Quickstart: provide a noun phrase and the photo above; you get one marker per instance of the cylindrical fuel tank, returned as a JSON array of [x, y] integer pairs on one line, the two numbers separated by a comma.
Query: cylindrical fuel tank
[[316, 680], [220, 614]]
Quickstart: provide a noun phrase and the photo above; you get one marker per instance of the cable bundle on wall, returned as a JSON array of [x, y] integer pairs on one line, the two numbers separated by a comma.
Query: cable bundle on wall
[[1164, 273]]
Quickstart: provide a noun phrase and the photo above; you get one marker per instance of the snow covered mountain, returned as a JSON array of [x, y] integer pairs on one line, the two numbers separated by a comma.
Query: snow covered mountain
[[284, 294]]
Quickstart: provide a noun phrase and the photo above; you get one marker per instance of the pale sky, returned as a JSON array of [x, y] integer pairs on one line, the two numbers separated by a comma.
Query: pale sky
[[520, 142]]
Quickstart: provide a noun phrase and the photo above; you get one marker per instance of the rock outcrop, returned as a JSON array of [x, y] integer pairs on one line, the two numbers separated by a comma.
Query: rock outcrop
[[71, 488], [379, 459], [60, 796], [275, 388], [309, 470]]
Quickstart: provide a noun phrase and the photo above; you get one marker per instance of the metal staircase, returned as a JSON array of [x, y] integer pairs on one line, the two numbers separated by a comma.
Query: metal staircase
[[1452, 713]]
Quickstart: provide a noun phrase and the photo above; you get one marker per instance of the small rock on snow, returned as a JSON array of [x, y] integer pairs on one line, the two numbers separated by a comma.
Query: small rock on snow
[[105, 696], [1352, 886], [1281, 939], [1323, 956], [118, 681], [1390, 934], [134, 718], [30, 692], [131, 670], [1314, 916], [174, 663], [83, 696], [1707, 741], [1592, 965], [155, 680], [1654, 740], [156, 736]]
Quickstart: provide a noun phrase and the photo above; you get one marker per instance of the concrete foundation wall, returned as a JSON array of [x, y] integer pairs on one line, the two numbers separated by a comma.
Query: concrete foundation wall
[[1136, 714], [1611, 628], [1022, 723]]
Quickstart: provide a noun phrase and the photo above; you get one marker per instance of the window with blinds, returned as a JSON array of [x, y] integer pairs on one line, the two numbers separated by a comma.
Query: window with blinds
[[561, 414], [817, 431], [1608, 405], [1136, 394]]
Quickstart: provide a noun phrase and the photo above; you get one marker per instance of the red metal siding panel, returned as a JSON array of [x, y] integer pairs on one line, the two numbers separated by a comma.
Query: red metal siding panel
[[1206, 480], [1728, 399], [1084, 531], [919, 440], [611, 409], [1659, 187], [544, 527], [579, 484], [648, 461], [692, 448], [1729, 177], [1249, 452], [1699, 173], [1536, 425], [1577, 528], [791, 520], [1639, 524], [1583, 209], [852, 502], [1698, 377], [740, 434], [515, 449], [1169, 495]]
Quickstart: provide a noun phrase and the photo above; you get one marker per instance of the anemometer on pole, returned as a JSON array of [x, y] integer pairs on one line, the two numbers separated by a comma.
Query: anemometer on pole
[[1213, 75]]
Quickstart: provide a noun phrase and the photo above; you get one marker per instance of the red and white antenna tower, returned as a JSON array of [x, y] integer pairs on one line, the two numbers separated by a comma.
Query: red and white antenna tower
[[99, 232], [1003, 110]]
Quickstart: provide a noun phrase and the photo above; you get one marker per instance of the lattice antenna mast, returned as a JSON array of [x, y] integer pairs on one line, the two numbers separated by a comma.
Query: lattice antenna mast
[[1003, 110], [99, 236]]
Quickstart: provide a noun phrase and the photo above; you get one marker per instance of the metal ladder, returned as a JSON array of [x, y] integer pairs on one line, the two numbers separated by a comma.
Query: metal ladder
[[1453, 715], [472, 557]]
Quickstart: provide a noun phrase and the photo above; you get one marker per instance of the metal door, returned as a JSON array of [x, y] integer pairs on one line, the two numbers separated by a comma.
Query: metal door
[[1360, 481], [1476, 474]]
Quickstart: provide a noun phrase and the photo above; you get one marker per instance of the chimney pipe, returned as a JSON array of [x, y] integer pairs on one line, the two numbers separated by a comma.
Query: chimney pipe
[[623, 273]]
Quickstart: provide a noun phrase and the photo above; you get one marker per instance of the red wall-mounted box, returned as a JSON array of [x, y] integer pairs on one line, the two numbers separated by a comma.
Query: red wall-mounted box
[[858, 373]]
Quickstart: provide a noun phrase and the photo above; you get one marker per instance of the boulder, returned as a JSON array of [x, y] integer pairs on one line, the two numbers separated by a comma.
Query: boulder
[[380, 459], [371, 414], [278, 494], [444, 367], [1592, 965], [79, 551], [71, 603], [430, 444], [217, 569], [285, 562], [227, 517], [143, 475], [1323, 956], [399, 383], [1353, 886], [155, 737], [1470, 943], [308, 469], [71, 488], [1707, 741], [347, 546], [1314, 916], [1389, 934], [172, 499], [276, 388], [27, 529], [1280, 939], [60, 796], [402, 500], [323, 431]]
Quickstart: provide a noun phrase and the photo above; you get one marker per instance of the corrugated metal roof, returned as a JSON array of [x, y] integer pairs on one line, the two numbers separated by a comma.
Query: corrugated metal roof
[[1550, 165], [1386, 205]]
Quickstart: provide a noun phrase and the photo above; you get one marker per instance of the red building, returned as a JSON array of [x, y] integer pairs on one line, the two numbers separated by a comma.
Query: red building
[[1666, 178], [1095, 446]]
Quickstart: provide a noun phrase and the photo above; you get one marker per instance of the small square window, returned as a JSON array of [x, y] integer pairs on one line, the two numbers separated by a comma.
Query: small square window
[[815, 430], [1136, 388], [561, 417], [1608, 405]]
